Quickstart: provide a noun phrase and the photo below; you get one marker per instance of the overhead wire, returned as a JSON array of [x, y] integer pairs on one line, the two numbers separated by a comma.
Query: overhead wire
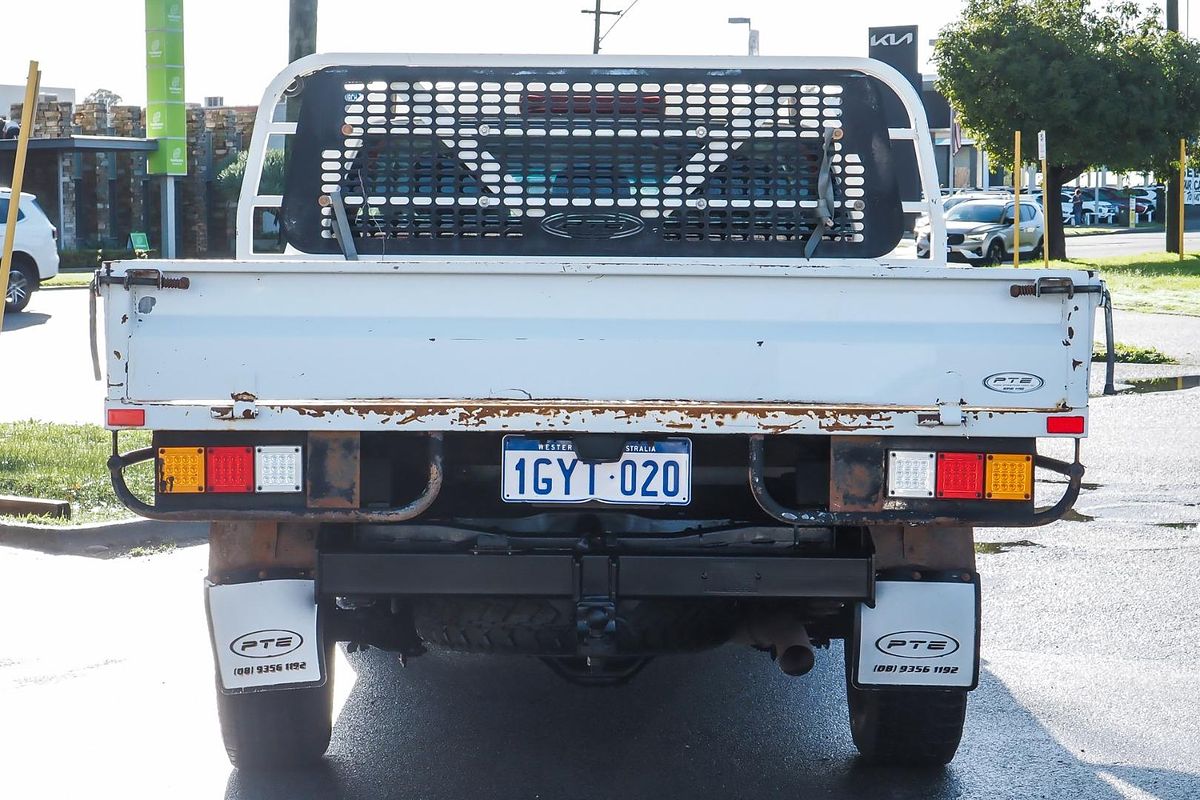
[[617, 21]]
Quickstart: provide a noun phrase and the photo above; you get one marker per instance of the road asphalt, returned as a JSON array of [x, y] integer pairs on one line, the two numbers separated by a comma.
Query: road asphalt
[[47, 361], [1088, 683], [1128, 243]]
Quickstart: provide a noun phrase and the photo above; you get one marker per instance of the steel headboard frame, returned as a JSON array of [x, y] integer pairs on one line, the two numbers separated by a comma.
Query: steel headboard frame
[[267, 125]]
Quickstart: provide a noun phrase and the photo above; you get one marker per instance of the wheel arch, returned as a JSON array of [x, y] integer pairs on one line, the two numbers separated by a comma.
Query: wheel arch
[[22, 258]]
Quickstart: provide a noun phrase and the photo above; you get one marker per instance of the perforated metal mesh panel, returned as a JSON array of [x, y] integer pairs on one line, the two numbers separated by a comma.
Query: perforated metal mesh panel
[[584, 161]]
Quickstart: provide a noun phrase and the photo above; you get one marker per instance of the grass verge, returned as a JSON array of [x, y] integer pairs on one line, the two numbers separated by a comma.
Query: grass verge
[[1157, 283], [1100, 230], [67, 462], [1132, 354], [66, 279]]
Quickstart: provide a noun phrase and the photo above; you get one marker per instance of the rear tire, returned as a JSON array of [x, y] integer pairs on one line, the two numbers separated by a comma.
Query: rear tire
[[905, 727], [281, 728], [22, 280]]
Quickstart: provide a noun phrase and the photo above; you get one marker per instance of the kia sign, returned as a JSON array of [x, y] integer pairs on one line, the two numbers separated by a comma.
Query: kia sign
[[892, 39], [897, 47]]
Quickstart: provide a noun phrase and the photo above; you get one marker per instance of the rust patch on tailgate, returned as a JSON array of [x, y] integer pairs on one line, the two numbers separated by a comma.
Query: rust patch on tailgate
[[772, 417], [333, 470]]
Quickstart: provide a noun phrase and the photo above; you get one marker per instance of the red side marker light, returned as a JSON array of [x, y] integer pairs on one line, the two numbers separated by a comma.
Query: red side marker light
[[1064, 424], [229, 469], [126, 417], [960, 476]]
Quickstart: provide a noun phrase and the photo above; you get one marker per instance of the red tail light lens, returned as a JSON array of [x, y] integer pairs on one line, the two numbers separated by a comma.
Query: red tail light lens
[[229, 469], [960, 475], [126, 417], [1064, 424]]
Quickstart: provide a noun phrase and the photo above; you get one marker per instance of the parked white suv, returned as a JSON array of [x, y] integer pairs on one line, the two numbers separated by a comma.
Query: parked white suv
[[35, 251]]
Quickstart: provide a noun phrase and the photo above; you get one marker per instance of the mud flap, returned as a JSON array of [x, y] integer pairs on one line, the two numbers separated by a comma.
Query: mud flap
[[920, 633], [265, 635]]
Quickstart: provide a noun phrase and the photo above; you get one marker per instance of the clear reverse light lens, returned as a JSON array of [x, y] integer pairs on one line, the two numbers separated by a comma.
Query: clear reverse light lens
[[910, 474], [278, 468]]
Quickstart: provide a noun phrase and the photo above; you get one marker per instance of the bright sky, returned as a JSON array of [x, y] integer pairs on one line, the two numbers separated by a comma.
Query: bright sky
[[234, 47]]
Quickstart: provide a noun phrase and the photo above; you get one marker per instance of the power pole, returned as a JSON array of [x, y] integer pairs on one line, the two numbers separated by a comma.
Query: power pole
[[302, 41], [597, 13], [1175, 182], [302, 29]]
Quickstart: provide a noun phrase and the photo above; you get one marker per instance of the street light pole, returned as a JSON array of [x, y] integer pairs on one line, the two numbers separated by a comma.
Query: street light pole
[[752, 39]]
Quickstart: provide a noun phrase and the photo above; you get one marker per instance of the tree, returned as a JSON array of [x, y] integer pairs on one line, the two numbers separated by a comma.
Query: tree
[[1110, 87], [229, 179], [107, 98]]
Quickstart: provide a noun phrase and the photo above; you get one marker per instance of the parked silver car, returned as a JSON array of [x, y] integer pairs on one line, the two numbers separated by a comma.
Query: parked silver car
[[982, 231]]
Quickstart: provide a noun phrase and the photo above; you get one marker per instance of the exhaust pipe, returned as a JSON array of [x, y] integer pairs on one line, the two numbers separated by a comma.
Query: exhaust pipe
[[786, 639]]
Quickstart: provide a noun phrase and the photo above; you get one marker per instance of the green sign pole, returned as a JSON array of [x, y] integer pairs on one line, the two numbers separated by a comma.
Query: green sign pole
[[166, 114]]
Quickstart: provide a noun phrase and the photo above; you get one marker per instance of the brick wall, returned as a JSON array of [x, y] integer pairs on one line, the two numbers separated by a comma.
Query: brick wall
[[52, 120]]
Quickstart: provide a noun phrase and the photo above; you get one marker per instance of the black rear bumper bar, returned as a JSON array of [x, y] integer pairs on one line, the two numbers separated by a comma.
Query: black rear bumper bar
[[570, 576], [996, 515], [999, 514]]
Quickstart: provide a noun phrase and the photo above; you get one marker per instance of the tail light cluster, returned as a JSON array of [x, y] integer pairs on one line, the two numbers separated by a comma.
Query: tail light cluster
[[230, 470], [960, 476]]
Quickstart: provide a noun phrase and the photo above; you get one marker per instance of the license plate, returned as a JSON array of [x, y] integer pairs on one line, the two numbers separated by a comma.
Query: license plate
[[548, 471]]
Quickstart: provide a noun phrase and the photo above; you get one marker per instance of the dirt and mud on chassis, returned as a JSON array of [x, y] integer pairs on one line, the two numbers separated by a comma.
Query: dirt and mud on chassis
[[593, 360]]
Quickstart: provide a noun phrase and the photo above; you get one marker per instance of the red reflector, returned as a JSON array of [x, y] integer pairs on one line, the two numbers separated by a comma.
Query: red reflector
[[133, 417], [960, 476], [229, 469], [1064, 424]]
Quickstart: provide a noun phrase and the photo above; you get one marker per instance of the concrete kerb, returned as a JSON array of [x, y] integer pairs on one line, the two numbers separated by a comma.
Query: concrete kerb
[[104, 539]]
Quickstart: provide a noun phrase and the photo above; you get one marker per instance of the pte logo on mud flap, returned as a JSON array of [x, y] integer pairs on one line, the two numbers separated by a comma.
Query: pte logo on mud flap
[[916, 644], [1013, 382], [269, 643], [592, 226]]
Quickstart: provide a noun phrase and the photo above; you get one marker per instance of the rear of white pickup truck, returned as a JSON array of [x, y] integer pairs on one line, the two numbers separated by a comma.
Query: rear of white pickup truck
[[594, 360]]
